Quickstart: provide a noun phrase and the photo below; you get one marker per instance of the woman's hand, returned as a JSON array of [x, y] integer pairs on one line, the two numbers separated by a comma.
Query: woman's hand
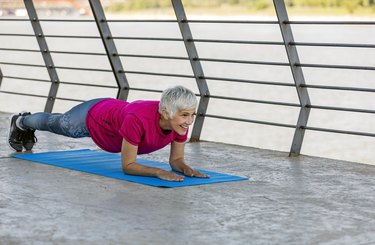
[[165, 175], [176, 160], [188, 171], [181, 167], [130, 166]]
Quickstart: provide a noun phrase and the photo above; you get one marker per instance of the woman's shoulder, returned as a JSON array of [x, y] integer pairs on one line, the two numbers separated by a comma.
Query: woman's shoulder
[[143, 104]]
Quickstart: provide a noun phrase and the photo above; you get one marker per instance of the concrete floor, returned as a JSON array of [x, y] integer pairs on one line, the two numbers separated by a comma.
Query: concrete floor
[[304, 200]]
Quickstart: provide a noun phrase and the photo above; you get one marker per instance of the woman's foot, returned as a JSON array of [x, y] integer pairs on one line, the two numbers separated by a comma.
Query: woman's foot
[[15, 138], [29, 138], [20, 138]]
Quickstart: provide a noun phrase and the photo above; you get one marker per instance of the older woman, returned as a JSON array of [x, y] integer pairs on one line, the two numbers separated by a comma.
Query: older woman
[[114, 125]]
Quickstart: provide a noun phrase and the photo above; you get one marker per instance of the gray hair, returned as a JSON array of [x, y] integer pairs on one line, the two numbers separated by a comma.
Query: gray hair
[[177, 98]]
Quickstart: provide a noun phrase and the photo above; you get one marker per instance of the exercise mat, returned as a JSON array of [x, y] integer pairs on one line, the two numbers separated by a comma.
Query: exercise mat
[[109, 165]]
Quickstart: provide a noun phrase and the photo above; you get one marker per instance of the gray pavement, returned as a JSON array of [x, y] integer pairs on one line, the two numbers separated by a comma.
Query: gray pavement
[[304, 200]]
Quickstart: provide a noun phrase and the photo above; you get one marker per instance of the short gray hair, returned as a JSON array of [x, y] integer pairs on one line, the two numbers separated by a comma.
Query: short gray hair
[[177, 98]]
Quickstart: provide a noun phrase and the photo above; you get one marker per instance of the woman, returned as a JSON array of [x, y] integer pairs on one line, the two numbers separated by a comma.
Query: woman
[[117, 126]]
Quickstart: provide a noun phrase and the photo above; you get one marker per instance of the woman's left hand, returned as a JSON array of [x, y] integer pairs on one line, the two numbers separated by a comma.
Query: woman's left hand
[[188, 171], [176, 160]]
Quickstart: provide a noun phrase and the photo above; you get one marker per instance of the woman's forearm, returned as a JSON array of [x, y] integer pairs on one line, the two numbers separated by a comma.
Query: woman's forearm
[[138, 169], [141, 170]]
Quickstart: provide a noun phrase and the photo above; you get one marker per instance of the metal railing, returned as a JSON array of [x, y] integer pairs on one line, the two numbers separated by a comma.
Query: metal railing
[[124, 87]]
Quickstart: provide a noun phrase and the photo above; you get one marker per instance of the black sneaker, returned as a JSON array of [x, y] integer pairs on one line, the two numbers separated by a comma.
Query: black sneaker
[[29, 138], [15, 139]]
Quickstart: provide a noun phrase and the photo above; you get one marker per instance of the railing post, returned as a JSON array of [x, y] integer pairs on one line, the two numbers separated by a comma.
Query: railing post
[[110, 48], [298, 77], [196, 66], [45, 53], [1, 77]]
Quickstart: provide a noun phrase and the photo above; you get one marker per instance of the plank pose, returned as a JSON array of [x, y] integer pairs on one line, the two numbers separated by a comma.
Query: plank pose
[[133, 128]]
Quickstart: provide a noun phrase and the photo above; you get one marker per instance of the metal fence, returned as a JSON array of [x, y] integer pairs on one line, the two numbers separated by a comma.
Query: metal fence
[[121, 74]]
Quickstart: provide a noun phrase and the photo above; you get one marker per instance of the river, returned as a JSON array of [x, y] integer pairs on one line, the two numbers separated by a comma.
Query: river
[[345, 147]]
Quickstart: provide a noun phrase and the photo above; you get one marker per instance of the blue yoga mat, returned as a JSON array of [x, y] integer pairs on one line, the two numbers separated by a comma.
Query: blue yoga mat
[[109, 165]]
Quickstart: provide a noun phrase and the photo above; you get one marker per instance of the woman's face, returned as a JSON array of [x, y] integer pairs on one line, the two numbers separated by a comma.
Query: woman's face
[[181, 120]]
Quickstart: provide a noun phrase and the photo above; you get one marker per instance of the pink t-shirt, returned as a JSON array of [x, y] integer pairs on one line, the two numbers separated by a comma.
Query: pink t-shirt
[[110, 120]]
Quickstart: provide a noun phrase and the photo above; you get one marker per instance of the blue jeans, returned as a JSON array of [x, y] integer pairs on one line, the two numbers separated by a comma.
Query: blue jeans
[[71, 123]]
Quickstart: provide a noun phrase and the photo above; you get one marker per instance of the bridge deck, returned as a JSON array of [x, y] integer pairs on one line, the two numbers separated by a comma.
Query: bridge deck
[[304, 200]]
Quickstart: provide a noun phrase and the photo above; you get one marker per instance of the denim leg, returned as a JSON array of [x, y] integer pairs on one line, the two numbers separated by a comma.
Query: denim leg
[[71, 123]]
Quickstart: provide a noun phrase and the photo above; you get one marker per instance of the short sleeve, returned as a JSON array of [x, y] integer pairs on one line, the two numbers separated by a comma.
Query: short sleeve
[[181, 138], [132, 129]]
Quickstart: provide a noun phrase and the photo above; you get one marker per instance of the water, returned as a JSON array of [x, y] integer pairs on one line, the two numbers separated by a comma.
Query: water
[[346, 147]]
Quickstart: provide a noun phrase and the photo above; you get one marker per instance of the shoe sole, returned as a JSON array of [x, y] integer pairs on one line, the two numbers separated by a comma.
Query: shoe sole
[[28, 148], [10, 123]]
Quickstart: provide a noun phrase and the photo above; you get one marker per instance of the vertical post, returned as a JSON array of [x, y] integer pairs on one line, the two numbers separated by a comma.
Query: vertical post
[[110, 48], [196, 66], [45, 53], [298, 77], [1, 77]]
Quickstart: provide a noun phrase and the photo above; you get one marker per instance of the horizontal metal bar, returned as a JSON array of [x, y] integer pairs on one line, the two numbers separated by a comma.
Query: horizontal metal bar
[[254, 101], [76, 53], [144, 20], [337, 66], [70, 36], [51, 51], [206, 59], [330, 22], [61, 82], [340, 109], [339, 131], [23, 94], [339, 45], [17, 35], [155, 39], [244, 62], [237, 41], [250, 81], [153, 56], [21, 64], [66, 20], [68, 99], [26, 79], [339, 88], [10, 19], [251, 121], [22, 50], [49, 36], [202, 21], [154, 21], [58, 67], [40, 96], [89, 85], [200, 40], [147, 90], [159, 74], [149, 38], [82, 69], [233, 22]]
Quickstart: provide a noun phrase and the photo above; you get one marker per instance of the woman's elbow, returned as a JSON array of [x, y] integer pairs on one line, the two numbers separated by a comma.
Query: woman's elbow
[[126, 168]]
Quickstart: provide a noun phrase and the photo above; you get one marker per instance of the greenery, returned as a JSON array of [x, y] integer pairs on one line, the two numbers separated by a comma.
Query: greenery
[[250, 6]]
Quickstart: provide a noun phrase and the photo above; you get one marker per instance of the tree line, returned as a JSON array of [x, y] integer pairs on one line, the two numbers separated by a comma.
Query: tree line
[[129, 5]]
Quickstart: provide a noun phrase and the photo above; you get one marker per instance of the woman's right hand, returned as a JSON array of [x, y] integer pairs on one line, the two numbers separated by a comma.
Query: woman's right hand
[[165, 175]]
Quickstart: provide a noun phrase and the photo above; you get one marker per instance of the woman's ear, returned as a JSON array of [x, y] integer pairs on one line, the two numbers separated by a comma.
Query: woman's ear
[[165, 114]]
